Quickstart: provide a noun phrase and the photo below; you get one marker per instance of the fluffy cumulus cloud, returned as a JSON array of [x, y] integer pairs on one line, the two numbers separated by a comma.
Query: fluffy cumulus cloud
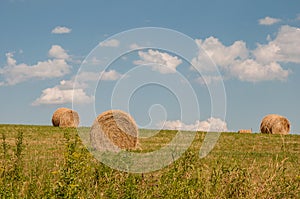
[[14, 73], [218, 53], [62, 94], [110, 43], [61, 30], [69, 92], [58, 52], [159, 61], [252, 71], [267, 21], [264, 63], [284, 47], [111, 75], [211, 124]]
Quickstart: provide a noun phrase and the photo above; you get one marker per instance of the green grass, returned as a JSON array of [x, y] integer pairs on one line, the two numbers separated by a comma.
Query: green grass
[[49, 162]]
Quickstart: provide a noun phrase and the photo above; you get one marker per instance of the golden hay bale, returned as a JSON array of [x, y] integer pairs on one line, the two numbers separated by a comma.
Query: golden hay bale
[[64, 117], [114, 130], [245, 131], [275, 124], [56, 116], [69, 118]]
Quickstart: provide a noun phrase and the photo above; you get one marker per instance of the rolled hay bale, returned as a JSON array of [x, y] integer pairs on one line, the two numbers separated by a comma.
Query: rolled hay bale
[[56, 116], [64, 117], [114, 130], [245, 131], [69, 118], [275, 124]]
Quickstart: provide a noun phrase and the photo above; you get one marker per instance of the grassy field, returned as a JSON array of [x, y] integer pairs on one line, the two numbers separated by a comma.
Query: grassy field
[[49, 162]]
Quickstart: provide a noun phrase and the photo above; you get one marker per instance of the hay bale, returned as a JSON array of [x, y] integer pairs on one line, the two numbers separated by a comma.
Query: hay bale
[[114, 130], [275, 124], [69, 118], [245, 131], [56, 116], [64, 117]]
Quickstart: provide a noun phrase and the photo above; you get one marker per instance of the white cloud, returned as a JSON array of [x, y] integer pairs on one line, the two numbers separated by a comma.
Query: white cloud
[[110, 43], [252, 71], [284, 48], [61, 30], [237, 61], [221, 55], [10, 59], [268, 21], [211, 124], [162, 62], [111, 75], [63, 94], [14, 73], [58, 52]]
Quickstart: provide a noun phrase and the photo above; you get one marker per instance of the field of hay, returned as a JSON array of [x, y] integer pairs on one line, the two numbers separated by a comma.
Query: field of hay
[[50, 162]]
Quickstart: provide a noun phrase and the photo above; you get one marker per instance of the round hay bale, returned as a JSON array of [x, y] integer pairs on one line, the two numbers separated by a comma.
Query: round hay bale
[[114, 130], [275, 124], [69, 118], [64, 117], [56, 116], [245, 131]]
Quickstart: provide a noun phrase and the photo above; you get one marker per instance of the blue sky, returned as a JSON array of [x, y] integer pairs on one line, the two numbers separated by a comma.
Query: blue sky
[[255, 45]]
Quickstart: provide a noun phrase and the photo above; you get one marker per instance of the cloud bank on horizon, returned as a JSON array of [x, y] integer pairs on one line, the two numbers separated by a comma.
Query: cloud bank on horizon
[[209, 125]]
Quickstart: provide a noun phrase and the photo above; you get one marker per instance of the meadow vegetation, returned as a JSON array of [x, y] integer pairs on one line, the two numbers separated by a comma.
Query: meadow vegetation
[[50, 162]]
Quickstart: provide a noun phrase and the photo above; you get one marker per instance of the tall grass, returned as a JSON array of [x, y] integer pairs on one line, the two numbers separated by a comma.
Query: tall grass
[[48, 162]]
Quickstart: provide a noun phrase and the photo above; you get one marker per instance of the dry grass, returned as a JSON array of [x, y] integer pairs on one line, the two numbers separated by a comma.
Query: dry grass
[[54, 164]]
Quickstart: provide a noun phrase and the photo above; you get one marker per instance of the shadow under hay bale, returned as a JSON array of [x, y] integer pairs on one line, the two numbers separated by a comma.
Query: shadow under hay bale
[[275, 124], [114, 130], [64, 117]]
